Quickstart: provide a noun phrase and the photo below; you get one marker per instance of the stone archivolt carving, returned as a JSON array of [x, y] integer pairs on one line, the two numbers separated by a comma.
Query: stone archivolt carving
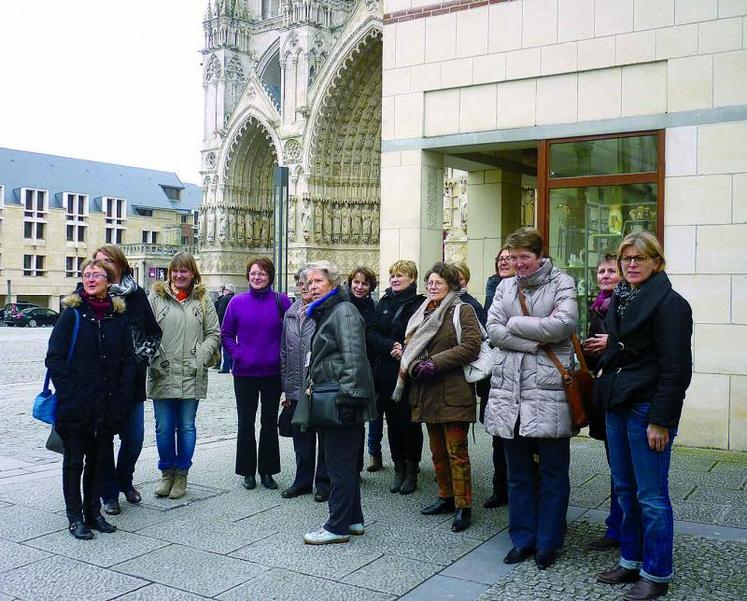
[[292, 152]]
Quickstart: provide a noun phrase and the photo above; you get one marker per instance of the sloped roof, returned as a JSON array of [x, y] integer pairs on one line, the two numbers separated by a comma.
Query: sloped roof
[[140, 187]]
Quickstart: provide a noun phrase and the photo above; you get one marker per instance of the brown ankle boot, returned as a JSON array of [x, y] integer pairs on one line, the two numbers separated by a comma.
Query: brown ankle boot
[[179, 488], [164, 486]]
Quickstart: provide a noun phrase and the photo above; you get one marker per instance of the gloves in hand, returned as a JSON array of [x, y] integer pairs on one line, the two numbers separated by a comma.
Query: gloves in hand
[[425, 370], [348, 415]]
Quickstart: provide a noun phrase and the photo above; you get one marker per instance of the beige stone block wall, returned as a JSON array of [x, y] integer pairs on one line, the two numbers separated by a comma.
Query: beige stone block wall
[[705, 415], [738, 413]]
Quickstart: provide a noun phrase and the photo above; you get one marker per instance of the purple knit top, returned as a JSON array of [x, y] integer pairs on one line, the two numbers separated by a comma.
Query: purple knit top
[[251, 332]]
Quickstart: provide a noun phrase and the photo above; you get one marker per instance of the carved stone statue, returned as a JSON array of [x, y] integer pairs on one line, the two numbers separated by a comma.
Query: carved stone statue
[[318, 229], [232, 228], [355, 226], [241, 228], [222, 225], [345, 223], [306, 218], [375, 226], [249, 229], [210, 235]]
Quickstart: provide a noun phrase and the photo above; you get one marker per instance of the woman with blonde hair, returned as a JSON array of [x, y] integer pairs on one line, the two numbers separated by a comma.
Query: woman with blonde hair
[[178, 375]]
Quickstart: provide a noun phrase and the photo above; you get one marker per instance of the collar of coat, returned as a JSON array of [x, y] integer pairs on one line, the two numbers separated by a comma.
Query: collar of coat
[[405, 295], [539, 277], [74, 300], [320, 307], [161, 289], [643, 305]]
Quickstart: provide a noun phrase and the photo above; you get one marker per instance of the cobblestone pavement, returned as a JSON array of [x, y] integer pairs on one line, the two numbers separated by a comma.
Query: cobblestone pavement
[[223, 542]]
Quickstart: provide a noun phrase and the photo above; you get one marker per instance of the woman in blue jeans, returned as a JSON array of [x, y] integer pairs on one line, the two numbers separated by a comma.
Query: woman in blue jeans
[[644, 373], [178, 375]]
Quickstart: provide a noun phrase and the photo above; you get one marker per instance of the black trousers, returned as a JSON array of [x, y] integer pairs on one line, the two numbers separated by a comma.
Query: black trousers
[[341, 446], [405, 437], [499, 467], [310, 465], [88, 454], [249, 391]]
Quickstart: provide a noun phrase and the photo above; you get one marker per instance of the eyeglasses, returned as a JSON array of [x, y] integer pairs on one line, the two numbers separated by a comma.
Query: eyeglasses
[[503, 259], [435, 284], [637, 259], [93, 276]]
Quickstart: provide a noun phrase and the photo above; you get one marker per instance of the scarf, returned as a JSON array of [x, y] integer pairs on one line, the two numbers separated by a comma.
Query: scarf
[[311, 306], [420, 331], [181, 295], [126, 286], [99, 306], [602, 302], [624, 294]]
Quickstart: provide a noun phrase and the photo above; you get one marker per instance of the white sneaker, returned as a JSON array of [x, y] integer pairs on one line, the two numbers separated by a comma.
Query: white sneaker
[[324, 537], [357, 529]]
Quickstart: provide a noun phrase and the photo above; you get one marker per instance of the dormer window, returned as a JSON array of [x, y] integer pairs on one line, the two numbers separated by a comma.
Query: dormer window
[[171, 192]]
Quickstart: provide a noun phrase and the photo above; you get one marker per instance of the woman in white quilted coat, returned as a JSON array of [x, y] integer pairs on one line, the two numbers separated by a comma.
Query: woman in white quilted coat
[[527, 407]]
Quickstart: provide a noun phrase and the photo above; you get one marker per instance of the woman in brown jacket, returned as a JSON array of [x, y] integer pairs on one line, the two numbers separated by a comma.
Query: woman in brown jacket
[[433, 359]]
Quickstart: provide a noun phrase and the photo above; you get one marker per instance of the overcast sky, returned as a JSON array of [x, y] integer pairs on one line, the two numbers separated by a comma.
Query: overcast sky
[[108, 80]]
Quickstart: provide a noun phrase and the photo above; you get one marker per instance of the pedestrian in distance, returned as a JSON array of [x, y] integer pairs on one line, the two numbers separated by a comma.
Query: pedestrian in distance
[[221, 304], [94, 392], [178, 375], [643, 375], [251, 332]]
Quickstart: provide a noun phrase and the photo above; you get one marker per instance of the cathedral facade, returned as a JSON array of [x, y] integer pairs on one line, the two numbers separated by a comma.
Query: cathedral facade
[[295, 84]]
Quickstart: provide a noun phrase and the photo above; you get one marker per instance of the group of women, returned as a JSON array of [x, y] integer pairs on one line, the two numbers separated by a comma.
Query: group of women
[[402, 360]]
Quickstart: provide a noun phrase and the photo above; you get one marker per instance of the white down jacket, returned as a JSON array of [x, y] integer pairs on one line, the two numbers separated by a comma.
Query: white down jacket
[[525, 383]]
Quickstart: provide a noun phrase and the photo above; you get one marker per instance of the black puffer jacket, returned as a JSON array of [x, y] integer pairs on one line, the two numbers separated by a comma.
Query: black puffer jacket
[[338, 354], [96, 392], [648, 356], [367, 308], [388, 326]]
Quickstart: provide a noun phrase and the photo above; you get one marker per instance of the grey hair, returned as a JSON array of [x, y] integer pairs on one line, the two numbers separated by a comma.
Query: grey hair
[[230, 287], [301, 273], [330, 270]]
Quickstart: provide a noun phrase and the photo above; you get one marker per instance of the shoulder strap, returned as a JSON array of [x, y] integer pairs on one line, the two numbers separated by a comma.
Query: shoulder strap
[[71, 348], [398, 312], [279, 303], [522, 301], [457, 321]]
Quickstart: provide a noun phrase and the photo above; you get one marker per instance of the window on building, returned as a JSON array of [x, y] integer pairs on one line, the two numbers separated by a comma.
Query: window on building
[[76, 216], [72, 266], [33, 265], [171, 192], [35, 209], [184, 218], [144, 212], [115, 210], [596, 191], [150, 237]]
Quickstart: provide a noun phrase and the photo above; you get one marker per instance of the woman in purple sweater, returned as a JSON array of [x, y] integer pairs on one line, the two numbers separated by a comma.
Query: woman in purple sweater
[[251, 333]]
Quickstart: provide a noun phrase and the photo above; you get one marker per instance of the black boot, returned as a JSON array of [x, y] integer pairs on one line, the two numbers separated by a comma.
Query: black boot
[[79, 530], [97, 522], [440, 506], [410, 483], [462, 519], [400, 470], [498, 498]]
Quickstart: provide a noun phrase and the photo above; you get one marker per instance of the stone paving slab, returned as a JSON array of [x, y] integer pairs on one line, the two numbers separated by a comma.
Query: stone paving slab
[[195, 492], [443, 588], [14, 555], [134, 518], [43, 494], [285, 585], [22, 523], [63, 579], [158, 592], [394, 575], [191, 570], [104, 550], [233, 506], [215, 535], [486, 523]]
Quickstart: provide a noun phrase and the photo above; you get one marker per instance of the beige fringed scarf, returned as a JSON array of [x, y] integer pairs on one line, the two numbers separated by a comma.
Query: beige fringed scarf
[[420, 331]]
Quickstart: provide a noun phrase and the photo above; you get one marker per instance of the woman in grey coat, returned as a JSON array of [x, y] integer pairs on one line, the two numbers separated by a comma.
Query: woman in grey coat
[[295, 345], [527, 407]]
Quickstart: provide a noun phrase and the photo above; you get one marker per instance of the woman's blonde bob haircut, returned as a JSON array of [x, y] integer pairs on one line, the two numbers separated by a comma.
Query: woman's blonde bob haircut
[[406, 268], [647, 244], [330, 271], [184, 260]]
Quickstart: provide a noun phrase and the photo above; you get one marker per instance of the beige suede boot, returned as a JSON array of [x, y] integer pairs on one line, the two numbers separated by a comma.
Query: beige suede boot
[[179, 488], [164, 486]]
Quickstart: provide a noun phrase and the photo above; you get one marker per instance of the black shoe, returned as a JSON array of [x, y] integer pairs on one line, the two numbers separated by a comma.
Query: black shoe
[[295, 491], [132, 495], [517, 555], [112, 507], [440, 506], [496, 500], [544, 559], [250, 482], [603, 544], [643, 590], [268, 482], [321, 497], [462, 519], [80, 531], [100, 524]]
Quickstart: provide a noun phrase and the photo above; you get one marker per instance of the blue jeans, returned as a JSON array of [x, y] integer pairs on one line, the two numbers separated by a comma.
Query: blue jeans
[[131, 443], [615, 517], [537, 515], [176, 434], [641, 480], [227, 362], [375, 435]]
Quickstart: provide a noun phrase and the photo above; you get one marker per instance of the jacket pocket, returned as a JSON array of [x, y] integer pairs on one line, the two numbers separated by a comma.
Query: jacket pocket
[[548, 376], [499, 365]]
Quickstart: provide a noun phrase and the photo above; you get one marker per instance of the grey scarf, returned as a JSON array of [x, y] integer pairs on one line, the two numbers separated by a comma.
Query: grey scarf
[[125, 287]]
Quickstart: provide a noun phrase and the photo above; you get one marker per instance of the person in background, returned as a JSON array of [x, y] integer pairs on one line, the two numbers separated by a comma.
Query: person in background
[[221, 304], [385, 337], [146, 336], [251, 333], [593, 347], [361, 284], [178, 375], [465, 296], [94, 392], [433, 360], [295, 345], [492, 282], [338, 355], [527, 406], [643, 375]]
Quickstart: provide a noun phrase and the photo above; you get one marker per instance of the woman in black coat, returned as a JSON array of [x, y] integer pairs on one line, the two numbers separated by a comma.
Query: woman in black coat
[[146, 336], [643, 375], [94, 394], [385, 337]]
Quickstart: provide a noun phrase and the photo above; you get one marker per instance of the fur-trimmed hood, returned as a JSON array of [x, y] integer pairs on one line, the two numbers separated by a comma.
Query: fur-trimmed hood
[[162, 290], [75, 300]]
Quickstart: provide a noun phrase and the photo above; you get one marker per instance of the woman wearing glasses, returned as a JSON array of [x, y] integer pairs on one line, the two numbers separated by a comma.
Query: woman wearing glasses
[[94, 392], [644, 373]]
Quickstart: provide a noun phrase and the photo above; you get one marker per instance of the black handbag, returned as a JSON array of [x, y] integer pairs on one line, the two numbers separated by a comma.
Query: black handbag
[[285, 420], [319, 407]]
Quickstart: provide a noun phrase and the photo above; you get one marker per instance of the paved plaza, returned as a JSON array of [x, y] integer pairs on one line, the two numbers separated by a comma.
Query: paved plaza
[[223, 542]]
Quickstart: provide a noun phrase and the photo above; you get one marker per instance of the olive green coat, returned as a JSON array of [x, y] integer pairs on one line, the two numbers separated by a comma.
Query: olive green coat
[[191, 336]]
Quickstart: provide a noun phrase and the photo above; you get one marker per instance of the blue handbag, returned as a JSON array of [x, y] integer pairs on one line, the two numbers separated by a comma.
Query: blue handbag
[[45, 403]]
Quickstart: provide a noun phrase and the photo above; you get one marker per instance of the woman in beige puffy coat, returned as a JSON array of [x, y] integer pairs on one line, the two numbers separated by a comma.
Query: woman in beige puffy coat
[[178, 375], [527, 407]]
